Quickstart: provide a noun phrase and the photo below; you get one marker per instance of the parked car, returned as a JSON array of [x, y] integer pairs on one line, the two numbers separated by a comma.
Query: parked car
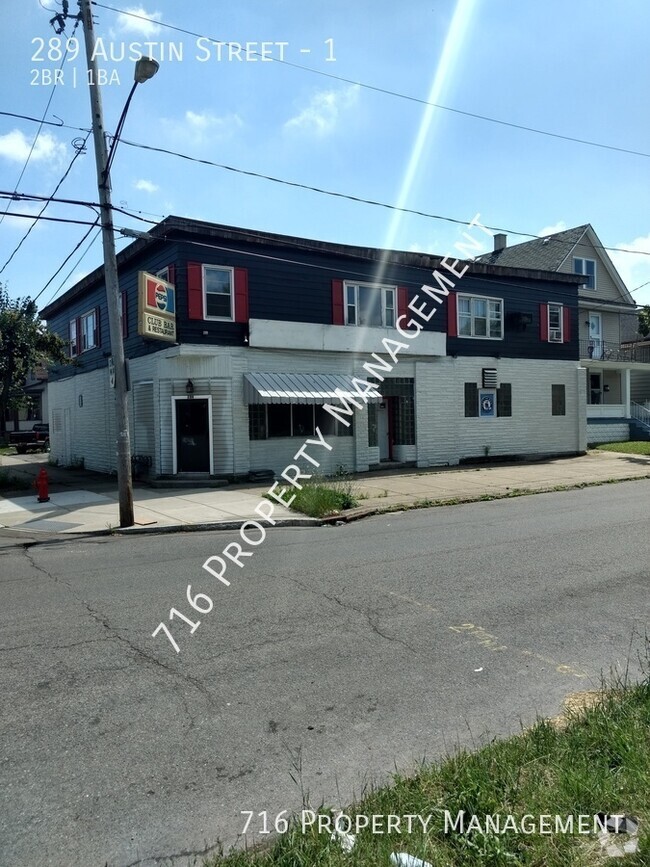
[[36, 439]]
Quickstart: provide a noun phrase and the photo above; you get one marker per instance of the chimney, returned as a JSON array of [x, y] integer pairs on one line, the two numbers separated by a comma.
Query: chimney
[[500, 242]]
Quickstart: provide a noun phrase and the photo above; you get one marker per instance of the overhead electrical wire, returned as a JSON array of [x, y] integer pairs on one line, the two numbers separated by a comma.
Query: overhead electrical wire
[[384, 90], [41, 123], [49, 199]]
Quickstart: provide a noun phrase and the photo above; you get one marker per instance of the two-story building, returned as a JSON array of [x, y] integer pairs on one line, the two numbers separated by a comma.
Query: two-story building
[[618, 373], [244, 336]]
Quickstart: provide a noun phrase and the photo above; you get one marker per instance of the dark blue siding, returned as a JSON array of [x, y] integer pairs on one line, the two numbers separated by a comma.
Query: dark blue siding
[[295, 285]]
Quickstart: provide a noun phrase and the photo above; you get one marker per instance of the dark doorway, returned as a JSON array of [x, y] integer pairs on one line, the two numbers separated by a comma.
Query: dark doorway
[[192, 436]]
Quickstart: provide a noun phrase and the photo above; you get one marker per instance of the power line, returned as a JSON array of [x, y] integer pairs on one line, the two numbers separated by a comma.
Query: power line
[[41, 124], [360, 199], [65, 261], [50, 199], [31, 197], [387, 91]]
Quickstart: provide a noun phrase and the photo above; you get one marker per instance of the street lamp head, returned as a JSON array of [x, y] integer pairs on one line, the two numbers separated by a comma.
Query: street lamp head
[[145, 68]]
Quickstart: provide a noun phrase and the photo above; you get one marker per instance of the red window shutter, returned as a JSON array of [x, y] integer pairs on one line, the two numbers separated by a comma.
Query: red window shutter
[[338, 313], [241, 295], [567, 325], [452, 323], [543, 322], [194, 290], [402, 301], [98, 331], [171, 273], [125, 320]]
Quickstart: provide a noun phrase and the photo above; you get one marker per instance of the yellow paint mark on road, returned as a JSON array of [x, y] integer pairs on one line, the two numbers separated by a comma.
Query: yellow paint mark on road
[[491, 642]]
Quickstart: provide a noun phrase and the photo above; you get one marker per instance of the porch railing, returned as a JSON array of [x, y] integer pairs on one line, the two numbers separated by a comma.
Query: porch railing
[[640, 413], [606, 350]]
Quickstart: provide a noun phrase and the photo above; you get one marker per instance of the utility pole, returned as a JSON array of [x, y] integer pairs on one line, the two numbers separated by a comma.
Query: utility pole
[[124, 481]]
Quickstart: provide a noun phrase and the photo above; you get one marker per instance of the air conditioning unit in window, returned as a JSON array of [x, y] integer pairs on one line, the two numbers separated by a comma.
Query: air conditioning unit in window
[[555, 334]]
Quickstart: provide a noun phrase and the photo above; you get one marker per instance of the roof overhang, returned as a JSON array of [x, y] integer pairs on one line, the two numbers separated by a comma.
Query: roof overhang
[[303, 388]]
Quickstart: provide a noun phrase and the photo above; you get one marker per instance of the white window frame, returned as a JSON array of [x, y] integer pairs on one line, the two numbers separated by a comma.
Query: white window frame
[[487, 299], [231, 271], [73, 338], [380, 287], [559, 332], [582, 271], [163, 274], [81, 338]]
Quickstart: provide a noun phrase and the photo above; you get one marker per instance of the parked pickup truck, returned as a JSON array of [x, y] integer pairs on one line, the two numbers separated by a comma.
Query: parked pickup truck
[[36, 439]]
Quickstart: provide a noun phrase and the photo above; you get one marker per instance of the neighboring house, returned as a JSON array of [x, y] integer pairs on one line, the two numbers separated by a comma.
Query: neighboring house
[[35, 389], [618, 373], [268, 327]]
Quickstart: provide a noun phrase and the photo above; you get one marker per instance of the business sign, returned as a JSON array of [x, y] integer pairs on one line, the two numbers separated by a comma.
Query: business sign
[[156, 308], [487, 403]]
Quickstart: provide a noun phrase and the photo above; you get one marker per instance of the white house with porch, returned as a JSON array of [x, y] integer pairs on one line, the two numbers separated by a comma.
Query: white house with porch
[[617, 371]]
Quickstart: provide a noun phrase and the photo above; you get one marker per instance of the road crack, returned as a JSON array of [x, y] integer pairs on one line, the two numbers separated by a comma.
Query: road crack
[[370, 617]]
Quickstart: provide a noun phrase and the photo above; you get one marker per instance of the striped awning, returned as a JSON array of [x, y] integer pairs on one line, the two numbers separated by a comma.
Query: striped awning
[[301, 388]]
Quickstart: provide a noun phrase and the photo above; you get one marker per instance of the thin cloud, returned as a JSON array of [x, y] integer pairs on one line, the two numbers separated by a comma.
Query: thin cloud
[[15, 146], [199, 127], [324, 111], [560, 226], [130, 24], [146, 186]]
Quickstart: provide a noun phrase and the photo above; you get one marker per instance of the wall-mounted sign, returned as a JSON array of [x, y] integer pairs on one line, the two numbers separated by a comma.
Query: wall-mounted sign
[[487, 403], [156, 308]]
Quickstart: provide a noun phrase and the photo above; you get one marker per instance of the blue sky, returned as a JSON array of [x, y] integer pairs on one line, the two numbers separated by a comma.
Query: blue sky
[[577, 69]]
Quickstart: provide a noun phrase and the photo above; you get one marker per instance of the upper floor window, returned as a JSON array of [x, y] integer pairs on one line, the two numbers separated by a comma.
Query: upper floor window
[[84, 332], [555, 323], [588, 268], [480, 317], [165, 274], [370, 305], [217, 290], [74, 346], [89, 339]]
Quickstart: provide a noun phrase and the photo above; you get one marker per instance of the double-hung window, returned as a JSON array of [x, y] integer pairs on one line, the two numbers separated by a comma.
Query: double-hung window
[[587, 267], [218, 292], [88, 331], [370, 305], [74, 339], [555, 323], [480, 317]]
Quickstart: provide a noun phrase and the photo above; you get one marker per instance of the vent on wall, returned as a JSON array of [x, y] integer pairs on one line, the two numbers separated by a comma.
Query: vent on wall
[[489, 377]]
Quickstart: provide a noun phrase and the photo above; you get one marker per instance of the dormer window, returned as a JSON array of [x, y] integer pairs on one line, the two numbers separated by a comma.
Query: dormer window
[[587, 267]]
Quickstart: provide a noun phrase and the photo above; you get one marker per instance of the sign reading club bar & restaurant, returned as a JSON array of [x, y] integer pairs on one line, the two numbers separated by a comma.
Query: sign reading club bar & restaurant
[[156, 308]]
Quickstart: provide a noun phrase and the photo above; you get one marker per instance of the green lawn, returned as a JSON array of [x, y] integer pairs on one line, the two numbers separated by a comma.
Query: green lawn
[[596, 758], [630, 448]]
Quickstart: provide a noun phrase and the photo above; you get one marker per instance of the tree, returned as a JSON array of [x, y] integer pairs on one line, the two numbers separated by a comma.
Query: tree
[[644, 321], [25, 344]]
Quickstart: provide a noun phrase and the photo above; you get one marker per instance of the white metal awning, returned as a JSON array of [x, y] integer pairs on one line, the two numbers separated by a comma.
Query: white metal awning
[[302, 388]]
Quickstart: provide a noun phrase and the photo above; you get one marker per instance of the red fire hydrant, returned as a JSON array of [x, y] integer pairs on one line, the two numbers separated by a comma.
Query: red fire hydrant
[[41, 484]]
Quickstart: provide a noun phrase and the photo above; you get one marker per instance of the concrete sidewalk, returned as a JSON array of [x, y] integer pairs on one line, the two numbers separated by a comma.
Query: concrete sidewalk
[[82, 502]]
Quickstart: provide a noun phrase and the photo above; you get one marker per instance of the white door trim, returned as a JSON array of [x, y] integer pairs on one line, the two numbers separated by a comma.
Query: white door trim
[[176, 397]]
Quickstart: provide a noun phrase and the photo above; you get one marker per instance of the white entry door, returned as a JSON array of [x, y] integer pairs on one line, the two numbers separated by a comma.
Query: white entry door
[[595, 335]]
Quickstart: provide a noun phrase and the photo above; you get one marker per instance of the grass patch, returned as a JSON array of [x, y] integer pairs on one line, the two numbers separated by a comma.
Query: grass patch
[[11, 482], [7, 450], [634, 447], [322, 498], [597, 758]]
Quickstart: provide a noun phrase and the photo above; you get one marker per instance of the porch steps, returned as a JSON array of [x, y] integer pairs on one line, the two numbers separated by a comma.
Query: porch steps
[[198, 481], [639, 430]]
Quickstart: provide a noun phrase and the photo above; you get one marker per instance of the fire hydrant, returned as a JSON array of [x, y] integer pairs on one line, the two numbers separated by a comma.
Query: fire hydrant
[[41, 483]]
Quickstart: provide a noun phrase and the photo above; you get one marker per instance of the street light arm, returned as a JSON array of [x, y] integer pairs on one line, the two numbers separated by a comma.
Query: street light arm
[[118, 133]]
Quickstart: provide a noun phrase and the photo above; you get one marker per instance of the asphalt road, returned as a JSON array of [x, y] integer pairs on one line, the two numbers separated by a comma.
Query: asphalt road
[[336, 655]]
